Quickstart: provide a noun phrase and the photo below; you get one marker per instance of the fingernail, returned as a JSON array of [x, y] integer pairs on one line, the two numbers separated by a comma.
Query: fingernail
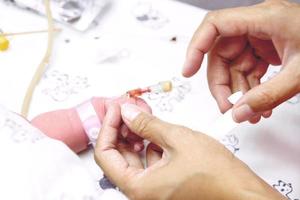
[[242, 113], [130, 111]]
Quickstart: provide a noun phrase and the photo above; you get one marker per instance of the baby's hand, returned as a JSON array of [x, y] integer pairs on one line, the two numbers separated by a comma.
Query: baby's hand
[[72, 126]]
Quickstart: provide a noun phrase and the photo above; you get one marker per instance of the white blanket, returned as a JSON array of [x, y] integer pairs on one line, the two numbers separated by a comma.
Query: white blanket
[[35, 167]]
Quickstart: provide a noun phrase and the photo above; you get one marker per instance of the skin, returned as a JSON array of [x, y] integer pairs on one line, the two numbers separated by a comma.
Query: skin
[[192, 167], [241, 43], [184, 164], [125, 134]]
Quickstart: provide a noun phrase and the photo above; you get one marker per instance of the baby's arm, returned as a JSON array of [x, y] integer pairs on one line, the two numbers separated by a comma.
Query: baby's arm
[[77, 127]]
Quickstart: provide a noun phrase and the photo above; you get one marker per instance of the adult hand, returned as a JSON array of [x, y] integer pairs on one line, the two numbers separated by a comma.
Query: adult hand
[[180, 163], [241, 43]]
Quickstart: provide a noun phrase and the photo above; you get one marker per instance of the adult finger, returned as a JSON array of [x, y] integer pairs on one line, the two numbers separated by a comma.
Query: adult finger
[[132, 157], [126, 133], [254, 80], [226, 23], [152, 155], [218, 70], [107, 155], [257, 73], [148, 127], [135, 141], [269, 94]]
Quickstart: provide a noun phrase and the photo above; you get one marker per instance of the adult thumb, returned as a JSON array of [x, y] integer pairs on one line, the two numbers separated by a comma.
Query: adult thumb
[[268, 95], [146, 125]]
